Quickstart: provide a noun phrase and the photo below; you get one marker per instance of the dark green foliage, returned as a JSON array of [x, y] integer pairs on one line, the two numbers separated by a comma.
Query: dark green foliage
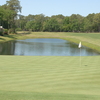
[[18, 29], [58, 23], [5, 32], [8, 14], [1, 33], [10, 19], [12, 31], [51, 25]]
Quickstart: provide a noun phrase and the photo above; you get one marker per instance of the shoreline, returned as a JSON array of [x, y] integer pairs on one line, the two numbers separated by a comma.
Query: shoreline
[[72, 37]]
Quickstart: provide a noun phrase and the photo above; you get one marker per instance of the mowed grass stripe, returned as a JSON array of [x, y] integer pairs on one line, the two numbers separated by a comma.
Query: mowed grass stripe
[[51, 74]]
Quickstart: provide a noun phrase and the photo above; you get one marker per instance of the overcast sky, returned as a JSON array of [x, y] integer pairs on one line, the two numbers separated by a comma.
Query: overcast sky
[[55, 7]]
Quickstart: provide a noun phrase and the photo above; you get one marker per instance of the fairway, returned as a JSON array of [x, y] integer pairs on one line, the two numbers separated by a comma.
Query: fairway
[[49, 78]]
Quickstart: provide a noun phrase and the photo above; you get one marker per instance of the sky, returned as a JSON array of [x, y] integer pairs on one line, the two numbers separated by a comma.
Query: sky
[[56, 7]]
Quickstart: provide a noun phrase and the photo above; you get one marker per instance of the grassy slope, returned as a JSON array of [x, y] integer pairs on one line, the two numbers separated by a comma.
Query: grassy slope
[[91, 40], [49, 78]]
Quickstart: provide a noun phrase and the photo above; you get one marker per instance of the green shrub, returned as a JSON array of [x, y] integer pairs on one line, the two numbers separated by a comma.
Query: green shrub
[[5, 32], [11, 31], [1, 32], [18, 29]]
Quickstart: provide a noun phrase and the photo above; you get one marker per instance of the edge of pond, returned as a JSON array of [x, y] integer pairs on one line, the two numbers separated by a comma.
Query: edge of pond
[[13, 37], [84, 43]]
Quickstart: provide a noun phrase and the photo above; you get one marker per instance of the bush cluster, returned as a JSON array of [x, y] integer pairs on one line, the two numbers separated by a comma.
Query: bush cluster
[[3, 32]]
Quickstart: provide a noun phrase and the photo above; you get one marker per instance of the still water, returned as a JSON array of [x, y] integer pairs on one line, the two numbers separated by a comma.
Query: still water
[[44, 47]]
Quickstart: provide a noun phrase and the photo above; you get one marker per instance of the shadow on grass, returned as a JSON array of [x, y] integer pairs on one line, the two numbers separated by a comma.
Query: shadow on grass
[[25, 33], [11, 36], [2, 39], [15, 36]]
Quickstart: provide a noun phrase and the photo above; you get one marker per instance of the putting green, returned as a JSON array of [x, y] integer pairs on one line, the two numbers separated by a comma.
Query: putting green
[[49, 78]]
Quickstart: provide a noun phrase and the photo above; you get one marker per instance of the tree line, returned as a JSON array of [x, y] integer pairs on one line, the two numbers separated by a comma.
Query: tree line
[[60, 23], [11, 20]]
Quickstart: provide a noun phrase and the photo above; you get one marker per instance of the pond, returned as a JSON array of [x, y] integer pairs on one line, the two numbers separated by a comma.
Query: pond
[[44, 47]]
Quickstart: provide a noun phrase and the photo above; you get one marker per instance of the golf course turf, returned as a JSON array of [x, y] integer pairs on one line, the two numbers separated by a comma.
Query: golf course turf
[[49, 78]]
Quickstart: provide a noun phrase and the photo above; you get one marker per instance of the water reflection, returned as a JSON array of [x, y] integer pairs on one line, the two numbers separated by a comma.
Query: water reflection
[[7, 48], [44, 47]]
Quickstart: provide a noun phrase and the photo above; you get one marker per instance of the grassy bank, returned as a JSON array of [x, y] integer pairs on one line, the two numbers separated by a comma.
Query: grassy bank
[[49, 78], [91, 40], [10, 37]]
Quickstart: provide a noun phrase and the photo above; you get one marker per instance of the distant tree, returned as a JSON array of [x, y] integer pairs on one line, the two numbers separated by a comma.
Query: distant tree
[[35, 22], [59, 18], [21, 22], [66, 25], [51, 25], [73, 23], [39, 20], [88, 23], [76, 22], [96, 22], [29, 25], [29, 17]]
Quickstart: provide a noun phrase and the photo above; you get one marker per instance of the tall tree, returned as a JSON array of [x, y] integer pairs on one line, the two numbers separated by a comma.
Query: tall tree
[[35, 22], [66, 24], [96, 22], [14, 6], [76, 22], [5, 15], [88, 23], [59, 18]]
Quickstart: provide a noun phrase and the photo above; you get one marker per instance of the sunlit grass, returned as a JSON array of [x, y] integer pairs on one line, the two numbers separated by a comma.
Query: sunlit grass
[[49, 78]]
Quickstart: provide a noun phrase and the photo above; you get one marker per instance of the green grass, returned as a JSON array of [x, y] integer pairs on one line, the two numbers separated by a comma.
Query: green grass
[[49, 78], [91, 40]]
